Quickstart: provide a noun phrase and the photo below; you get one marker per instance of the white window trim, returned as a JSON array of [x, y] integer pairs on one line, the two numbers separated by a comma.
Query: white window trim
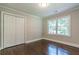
[[57, 26]]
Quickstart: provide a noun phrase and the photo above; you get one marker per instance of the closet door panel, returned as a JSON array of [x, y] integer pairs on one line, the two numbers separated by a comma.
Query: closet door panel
[[19, 29], [9, 30]]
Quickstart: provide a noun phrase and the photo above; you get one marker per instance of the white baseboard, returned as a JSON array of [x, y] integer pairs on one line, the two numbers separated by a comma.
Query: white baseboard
[[67, 43], [30, 41], [33, 40], [1, 48]]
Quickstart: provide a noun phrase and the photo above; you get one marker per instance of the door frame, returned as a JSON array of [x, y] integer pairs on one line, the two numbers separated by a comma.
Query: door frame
[[2, 26]]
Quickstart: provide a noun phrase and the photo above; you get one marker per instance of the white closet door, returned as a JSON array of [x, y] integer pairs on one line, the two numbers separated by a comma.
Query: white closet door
[[19, 29], [9, 30]]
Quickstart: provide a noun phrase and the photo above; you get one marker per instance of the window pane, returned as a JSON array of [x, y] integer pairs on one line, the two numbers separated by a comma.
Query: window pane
[[52, 27], [61, 30], [63, 26]]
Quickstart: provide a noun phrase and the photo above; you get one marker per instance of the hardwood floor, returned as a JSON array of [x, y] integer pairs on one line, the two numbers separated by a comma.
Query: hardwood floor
[[41, 47]]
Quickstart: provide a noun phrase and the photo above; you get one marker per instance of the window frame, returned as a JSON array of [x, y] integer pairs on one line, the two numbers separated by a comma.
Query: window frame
[[69, 26]]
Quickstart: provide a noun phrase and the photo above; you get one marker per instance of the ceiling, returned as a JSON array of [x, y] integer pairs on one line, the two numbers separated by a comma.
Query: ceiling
[[35, 9]]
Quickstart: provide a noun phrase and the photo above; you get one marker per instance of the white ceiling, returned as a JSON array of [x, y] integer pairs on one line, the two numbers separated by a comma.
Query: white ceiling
[[35, 9]]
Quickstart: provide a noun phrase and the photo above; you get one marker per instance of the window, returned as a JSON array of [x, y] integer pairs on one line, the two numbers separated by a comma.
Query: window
[[60, 26], [52, 27]]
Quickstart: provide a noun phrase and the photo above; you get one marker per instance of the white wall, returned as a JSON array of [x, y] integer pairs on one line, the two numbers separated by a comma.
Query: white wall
[[0, 29], [32, 26], [74, 38]]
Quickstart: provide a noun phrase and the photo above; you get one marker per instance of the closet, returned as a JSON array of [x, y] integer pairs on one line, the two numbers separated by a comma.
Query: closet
[[12, 28], [18, 29]]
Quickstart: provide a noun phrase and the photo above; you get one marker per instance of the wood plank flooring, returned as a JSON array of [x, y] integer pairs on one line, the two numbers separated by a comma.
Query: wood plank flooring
[[41, 47]]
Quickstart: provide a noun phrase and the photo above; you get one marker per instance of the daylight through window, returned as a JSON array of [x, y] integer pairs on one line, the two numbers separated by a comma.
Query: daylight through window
[[60, 26]]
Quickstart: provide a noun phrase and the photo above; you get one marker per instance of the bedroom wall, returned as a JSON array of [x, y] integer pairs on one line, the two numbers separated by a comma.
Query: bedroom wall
[[33, 27], [74, 38]]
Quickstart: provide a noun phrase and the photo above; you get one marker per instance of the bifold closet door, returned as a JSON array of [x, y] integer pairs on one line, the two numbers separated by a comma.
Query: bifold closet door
[[19, 30], [9, 31], [13, 30]]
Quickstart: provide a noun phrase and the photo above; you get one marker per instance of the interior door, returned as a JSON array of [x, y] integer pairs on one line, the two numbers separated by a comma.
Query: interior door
[[13, 30], [19, 29], [9, 31]]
